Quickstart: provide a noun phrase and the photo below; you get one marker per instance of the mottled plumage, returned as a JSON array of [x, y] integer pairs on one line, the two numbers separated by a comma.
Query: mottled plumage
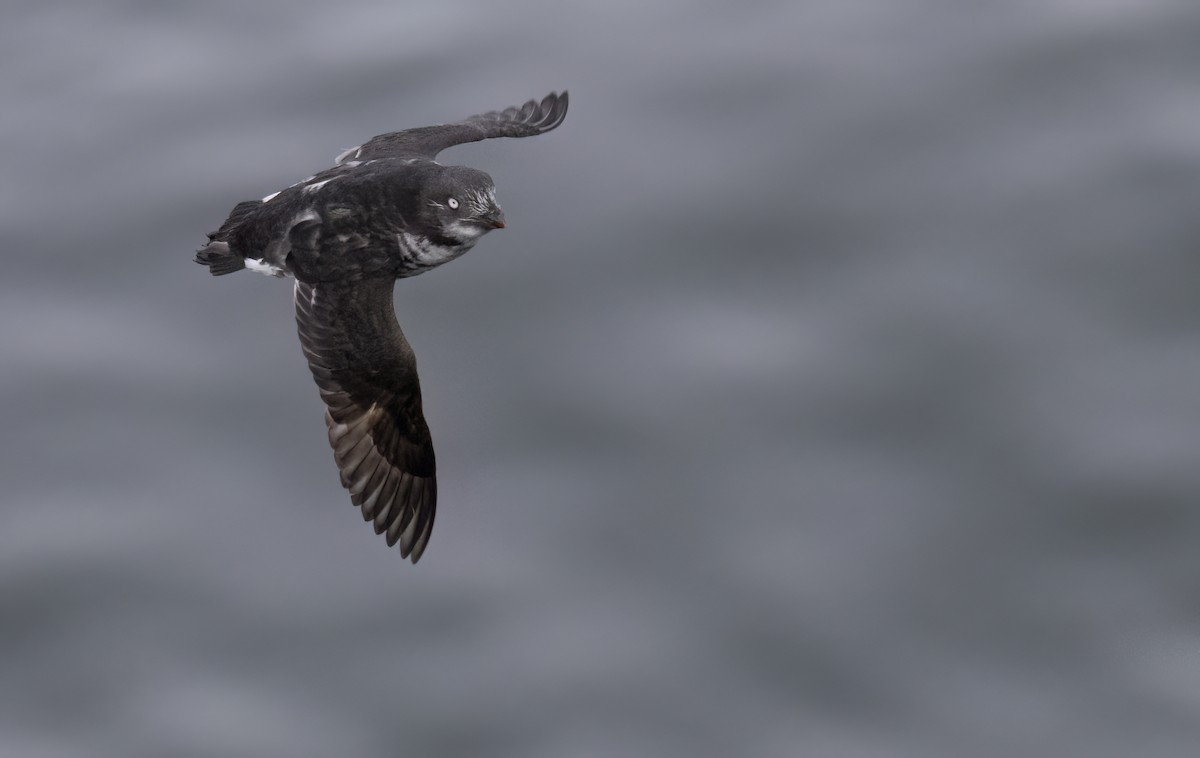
[[386, 210]]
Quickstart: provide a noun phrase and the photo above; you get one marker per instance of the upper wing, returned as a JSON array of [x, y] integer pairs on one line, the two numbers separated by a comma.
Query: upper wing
[[427, 141], [367, 375]]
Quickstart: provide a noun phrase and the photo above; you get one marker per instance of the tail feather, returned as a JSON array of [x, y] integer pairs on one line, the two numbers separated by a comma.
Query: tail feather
[[216, 254], [220, 259]]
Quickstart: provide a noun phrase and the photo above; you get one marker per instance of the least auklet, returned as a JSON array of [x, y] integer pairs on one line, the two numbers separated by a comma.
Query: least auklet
[[385, 211]]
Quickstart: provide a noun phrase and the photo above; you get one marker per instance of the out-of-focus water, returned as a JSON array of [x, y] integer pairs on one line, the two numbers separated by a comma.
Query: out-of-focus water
[[832, 392]]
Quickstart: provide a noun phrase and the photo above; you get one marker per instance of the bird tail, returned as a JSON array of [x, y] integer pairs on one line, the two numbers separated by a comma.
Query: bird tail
[[216, 254], [220, 259]]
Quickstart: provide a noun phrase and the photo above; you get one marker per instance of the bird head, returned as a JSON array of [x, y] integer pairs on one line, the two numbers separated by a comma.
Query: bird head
[[461, 203]]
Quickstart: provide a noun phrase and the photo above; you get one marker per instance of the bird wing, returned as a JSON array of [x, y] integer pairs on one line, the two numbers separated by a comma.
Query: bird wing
[[367, 376], [427, 141]]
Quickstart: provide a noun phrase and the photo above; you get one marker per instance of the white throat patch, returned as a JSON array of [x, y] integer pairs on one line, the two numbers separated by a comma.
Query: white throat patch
[[465, 232], [424, 255]]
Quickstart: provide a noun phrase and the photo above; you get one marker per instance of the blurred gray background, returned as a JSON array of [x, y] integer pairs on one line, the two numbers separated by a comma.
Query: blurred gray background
[[832, 392]]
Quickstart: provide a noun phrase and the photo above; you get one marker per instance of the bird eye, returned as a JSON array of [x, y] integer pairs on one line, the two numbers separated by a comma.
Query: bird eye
[[452, 202]]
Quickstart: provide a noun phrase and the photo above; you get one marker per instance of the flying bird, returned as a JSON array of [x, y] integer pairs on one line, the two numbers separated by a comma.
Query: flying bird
[[386, 210]]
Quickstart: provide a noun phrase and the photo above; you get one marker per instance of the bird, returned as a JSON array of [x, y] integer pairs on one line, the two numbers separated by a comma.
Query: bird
[[385, 211]]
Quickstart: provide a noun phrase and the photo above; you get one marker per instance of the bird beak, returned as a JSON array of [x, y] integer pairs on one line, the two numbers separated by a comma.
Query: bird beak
[[495, 219]]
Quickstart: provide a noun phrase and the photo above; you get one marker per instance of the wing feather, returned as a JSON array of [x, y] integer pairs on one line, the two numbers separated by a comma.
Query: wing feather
[[526, 120], [367, 376]]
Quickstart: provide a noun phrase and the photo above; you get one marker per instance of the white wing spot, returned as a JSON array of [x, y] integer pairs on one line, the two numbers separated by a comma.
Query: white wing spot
[[271, 196], [317, 185], [357, 150]]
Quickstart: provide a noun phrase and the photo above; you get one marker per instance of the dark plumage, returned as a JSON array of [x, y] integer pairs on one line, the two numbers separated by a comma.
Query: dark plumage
[[386, 210]]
